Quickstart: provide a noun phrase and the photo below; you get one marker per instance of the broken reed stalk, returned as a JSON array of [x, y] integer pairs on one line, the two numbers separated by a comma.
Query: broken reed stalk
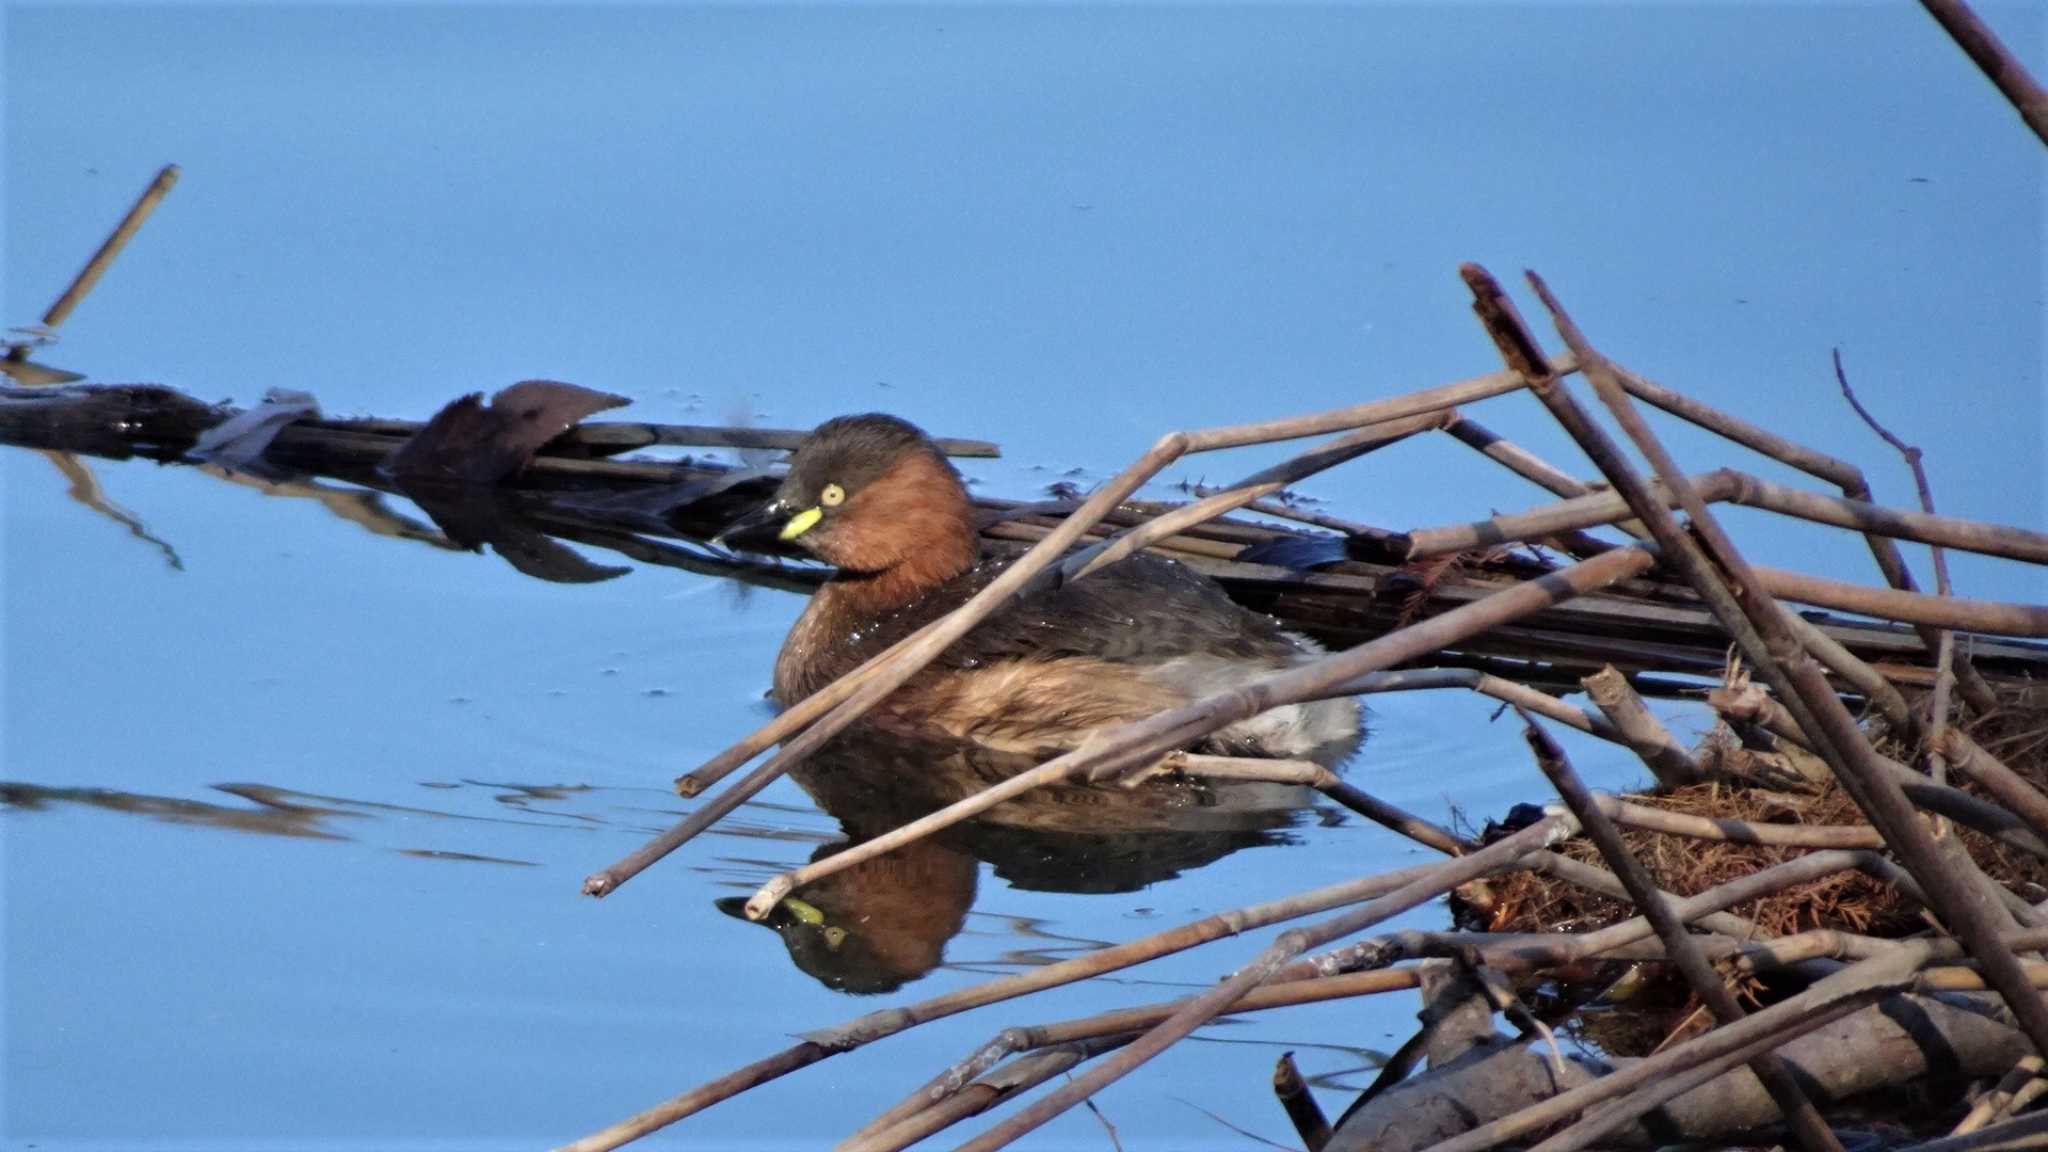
[[103, 258], [1205, 1007], [1761, 629], [1643, 733], [1128, 744], [1827, 999], [1300, 1104], [886, 673], [1679, 944], [1992, 1104]]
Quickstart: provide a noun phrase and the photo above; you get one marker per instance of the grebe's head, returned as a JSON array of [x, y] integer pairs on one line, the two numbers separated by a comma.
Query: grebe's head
[[868, 493]]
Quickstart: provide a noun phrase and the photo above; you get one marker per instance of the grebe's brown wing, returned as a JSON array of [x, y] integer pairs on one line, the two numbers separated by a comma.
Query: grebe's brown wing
[[1142, 610]]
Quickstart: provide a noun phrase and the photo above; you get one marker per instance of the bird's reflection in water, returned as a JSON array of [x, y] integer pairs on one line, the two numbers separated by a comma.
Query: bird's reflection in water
[[880, 924]]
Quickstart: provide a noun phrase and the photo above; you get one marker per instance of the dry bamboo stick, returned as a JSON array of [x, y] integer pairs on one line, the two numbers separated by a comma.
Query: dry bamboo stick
[[1942, 612], [1329, 454], [1740, 831], [1538, 471], [1730, 486], [1707, 985], [1762, 629], [1486, 684], [2004, 69], [1134, 743], [1312, 775], [1358, 415], [1204, 1007]]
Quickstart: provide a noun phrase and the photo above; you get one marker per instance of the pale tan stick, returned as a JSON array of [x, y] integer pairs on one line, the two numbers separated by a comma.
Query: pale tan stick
[[1486, 684], [1740, 831], [1204, 1007], [1993, 1103], [1347, 447], [1135, 743], [1998, 617], [1312, 775], [1644, 734], [1359, 415]]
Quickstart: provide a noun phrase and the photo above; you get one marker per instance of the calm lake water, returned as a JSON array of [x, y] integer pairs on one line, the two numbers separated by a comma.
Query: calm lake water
[[318, 805], [300, 811]]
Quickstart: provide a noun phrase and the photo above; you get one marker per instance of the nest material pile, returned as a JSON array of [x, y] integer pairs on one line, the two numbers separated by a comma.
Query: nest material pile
[[1849, 901]]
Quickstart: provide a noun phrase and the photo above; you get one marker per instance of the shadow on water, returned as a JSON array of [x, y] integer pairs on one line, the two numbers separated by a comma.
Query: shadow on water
[[883, 923]]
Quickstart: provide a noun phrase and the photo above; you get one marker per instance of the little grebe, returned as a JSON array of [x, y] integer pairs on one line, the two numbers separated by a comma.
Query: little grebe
[[872, 496]]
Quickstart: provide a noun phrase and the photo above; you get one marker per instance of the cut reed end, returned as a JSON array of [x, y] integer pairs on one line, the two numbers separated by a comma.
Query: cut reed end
[[763, 902]]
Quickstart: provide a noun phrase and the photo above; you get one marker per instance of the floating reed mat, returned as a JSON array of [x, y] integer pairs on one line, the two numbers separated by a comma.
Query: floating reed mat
[[1833, 898]]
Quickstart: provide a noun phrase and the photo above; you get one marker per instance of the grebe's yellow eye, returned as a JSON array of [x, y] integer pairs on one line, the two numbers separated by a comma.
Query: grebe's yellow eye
[[832, 496]]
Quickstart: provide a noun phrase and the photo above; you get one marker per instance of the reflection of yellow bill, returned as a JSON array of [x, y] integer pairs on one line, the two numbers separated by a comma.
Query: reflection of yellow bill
[[802, 522]]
